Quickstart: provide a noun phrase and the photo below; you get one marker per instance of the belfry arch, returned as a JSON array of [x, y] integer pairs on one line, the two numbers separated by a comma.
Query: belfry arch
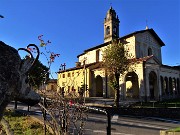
[[132, 85]]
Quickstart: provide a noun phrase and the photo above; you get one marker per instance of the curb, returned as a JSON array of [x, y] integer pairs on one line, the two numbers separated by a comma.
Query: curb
[[165, 132]]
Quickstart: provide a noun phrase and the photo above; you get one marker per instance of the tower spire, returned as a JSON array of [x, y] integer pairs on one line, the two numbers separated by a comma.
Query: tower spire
[[111, 5]]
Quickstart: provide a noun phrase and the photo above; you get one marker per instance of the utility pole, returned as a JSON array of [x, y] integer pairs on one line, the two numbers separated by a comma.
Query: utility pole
[[85, 76]]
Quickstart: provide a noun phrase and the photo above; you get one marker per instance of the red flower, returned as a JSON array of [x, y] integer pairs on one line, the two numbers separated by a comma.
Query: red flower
[[70, 102]]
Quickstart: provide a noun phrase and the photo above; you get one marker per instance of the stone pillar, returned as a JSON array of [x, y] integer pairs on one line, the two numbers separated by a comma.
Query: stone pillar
[[159, 88], [147, 86], [104, 87], [141, 89], [168, 87]]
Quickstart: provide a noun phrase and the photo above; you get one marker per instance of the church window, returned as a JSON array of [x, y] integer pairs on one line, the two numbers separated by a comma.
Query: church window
[[107, 30], [149, 51], [72, 74], [63, 75], [72, 88], [69, 89], [97, 55], [69, 75]]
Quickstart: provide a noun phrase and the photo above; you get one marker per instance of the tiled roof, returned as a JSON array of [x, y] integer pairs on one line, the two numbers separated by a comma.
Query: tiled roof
[[96, 47], [172, 67], [80, 67], [141, 59], [151, 31], [145, 59], [52, 81]]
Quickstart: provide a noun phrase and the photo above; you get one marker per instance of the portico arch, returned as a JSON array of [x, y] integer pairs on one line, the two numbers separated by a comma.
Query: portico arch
[[153, 88], [132, 86]]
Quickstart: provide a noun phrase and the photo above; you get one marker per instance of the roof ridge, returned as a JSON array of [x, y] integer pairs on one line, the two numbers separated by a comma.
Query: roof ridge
[[120, 38]]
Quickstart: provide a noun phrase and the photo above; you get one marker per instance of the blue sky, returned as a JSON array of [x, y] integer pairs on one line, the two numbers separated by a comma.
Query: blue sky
[[75, 25]]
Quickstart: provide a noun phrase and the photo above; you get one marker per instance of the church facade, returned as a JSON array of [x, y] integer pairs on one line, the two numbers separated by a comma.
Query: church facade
[[149, 79]]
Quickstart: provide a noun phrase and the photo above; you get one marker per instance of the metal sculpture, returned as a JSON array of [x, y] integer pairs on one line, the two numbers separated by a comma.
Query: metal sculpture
[[14, 76]]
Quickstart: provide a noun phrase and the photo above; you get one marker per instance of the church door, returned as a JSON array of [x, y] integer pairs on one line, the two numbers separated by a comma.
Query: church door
[[99, 86]]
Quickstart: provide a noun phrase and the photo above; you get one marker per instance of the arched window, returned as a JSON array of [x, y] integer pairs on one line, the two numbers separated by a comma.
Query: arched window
[[149, 51], [107, 30], [115, 31]]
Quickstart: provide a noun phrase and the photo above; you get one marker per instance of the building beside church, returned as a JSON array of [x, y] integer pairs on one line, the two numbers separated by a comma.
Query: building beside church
[[149, 79], [51, 85]]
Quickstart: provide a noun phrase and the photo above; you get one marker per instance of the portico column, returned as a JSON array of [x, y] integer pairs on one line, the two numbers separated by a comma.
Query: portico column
[[141, 89], [147, 85], [104, 87], [159, 87]]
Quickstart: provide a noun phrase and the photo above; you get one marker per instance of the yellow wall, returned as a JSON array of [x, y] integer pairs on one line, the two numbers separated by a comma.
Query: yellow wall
[[73, 79]]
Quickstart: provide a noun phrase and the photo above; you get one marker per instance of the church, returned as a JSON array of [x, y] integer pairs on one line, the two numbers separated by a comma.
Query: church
[[149, 79]]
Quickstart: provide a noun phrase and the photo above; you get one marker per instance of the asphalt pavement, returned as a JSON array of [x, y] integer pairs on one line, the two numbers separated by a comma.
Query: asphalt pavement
[[96, 124]]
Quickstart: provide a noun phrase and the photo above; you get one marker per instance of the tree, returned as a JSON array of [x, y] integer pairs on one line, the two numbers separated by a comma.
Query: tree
[[38, 75], [116, 62]]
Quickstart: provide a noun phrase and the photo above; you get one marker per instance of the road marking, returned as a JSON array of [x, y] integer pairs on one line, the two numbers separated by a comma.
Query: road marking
[[25, 108], [166, 120], [98, 131], [143, 125], [97, 118], [132, 123], [113, 133], [115, 118]]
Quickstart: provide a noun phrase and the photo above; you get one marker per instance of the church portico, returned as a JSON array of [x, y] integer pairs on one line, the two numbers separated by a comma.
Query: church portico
[[161, 83]]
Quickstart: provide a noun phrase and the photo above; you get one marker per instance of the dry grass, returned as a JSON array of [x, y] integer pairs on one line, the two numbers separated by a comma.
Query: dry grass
[[23, 125]]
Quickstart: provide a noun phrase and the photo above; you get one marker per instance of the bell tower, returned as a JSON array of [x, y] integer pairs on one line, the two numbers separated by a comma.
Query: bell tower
[[111, 25]]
